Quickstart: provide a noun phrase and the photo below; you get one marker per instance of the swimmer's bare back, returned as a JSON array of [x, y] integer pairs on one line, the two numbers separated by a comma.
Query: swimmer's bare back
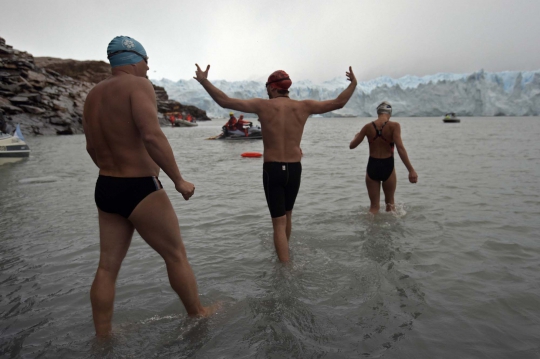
[[282, 119], [111, 129], [123, 134]]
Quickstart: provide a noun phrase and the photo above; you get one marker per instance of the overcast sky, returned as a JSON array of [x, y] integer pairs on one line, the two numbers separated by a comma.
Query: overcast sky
[[315, 40]]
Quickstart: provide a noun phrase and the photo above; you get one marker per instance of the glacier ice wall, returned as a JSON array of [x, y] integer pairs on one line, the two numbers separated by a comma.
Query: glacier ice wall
[[509, 93]]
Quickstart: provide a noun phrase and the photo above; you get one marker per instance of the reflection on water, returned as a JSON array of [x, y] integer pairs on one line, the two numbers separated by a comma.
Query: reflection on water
[[451, 273]]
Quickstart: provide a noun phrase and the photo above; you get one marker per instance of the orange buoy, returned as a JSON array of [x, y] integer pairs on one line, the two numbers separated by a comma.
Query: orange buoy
[[251, 154]]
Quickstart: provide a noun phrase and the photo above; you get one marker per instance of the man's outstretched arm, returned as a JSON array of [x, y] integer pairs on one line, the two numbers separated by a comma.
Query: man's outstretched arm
[[251, 105], [317, 107]]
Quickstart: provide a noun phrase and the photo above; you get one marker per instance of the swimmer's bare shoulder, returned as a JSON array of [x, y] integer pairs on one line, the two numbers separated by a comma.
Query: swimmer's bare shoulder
[[130, 84], [395, 127], [143, 98]]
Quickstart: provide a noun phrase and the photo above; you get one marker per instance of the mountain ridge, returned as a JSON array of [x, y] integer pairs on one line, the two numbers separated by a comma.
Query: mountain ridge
[[506, 93]]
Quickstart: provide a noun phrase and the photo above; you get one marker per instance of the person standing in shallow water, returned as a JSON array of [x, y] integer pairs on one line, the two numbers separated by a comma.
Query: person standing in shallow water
[[282, 123], [125, 141], [383, 135]]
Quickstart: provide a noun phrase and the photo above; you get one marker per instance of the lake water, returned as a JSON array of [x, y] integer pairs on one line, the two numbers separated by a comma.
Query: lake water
[[454, 273]]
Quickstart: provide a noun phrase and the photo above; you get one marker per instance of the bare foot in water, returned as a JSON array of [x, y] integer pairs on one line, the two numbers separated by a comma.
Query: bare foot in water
[[208, 311]]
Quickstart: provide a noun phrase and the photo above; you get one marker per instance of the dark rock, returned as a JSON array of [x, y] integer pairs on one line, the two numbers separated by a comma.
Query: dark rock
[[5, 50], [43, 93], [33, 97], [65, 131], [25, 64], [11, 109], [10, 87], [2, 122], [161, 94], [36, 130], [37, 77], [60, 121], [9, 66], [54, 73], [87, 71], [33, 109], [9, 73], [4, 102], [19, 99]]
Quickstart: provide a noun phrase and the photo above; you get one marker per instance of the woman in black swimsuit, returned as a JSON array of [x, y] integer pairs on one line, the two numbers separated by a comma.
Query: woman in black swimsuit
[[382, 136]]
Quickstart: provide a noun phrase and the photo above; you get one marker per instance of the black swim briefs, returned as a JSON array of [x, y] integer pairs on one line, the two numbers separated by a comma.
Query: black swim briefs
[[380, 169], [281, 182], [120, 195]]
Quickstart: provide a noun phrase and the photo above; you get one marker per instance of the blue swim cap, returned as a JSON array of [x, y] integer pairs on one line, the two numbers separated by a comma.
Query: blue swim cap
[[123, 50]]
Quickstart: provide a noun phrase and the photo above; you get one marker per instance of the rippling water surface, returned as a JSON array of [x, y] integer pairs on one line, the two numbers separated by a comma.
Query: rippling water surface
[[454, 273]]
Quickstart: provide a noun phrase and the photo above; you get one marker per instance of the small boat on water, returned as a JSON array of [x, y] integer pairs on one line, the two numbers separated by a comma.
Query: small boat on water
[[13, 148], [249, 133], [178, 120], [451, 118]]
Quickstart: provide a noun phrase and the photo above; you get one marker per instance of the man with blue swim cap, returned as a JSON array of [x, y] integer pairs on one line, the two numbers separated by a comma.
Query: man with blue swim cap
[[125, 141], [123, 50]]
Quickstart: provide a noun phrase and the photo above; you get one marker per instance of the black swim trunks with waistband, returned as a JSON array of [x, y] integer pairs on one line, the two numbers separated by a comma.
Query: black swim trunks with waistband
[[120, 195], [281, 182]]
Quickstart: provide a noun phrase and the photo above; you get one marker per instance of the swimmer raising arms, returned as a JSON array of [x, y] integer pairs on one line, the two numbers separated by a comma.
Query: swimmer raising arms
[[282, 121], [383, 135]]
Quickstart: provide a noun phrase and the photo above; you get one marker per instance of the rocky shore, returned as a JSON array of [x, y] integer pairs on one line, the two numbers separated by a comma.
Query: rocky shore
[[46, 95]]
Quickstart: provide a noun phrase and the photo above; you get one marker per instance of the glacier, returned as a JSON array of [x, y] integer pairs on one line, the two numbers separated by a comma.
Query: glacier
[[508, 93]]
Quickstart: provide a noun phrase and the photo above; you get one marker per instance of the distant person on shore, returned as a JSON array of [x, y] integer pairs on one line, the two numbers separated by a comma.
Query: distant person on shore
[[382, 135], [125, 141], [282, 121]]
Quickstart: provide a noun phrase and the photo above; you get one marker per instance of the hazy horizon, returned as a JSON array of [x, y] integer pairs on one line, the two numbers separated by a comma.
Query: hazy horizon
[[314, 40]]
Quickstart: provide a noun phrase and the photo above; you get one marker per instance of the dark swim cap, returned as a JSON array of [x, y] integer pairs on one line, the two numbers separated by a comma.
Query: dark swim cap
[[123, 50], [279, 80]]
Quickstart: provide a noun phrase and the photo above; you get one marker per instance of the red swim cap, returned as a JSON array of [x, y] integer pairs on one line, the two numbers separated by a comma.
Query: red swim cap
[[279, 80]]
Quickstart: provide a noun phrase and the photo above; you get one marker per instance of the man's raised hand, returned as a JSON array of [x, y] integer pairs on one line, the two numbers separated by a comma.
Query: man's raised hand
[[350, 75], [200, 74]]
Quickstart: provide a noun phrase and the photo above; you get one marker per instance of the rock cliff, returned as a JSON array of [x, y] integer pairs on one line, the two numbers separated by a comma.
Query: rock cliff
[[46, 95]]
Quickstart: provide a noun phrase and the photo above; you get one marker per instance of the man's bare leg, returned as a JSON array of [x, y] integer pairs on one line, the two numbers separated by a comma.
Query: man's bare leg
[[115, 234], [374, 193], [389, 188], [281, 241], [155, 220], [289, 224]]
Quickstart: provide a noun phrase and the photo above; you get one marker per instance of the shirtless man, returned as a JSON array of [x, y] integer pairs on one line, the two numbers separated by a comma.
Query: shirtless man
[[125, 141], [382, 134], [282, 121]]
